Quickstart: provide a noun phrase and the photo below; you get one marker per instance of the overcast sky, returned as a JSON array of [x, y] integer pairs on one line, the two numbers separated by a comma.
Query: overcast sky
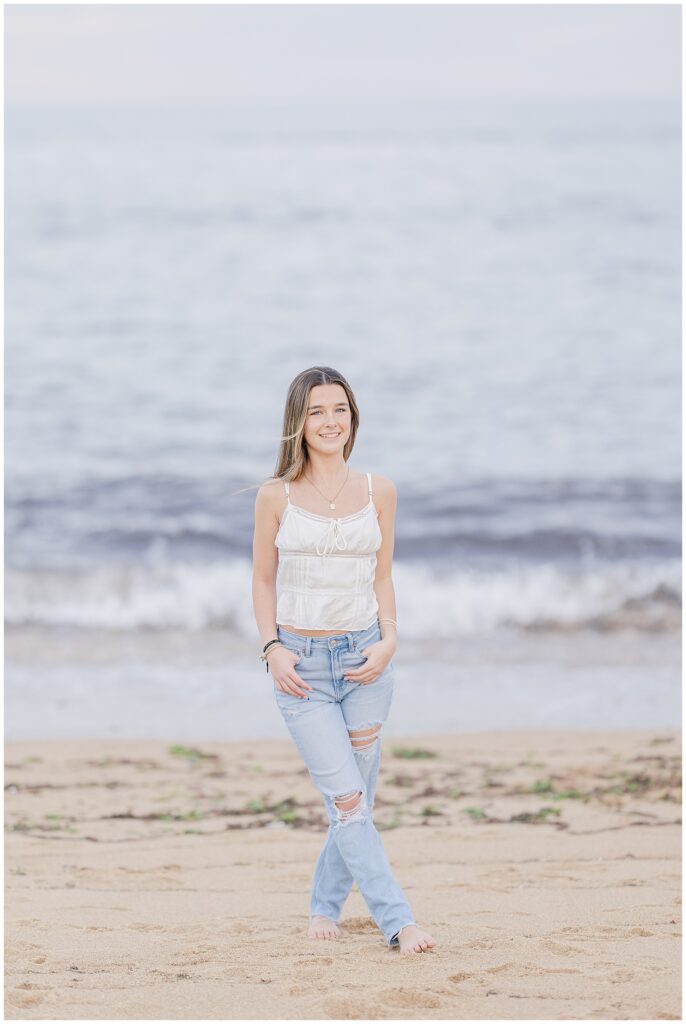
[[238, 53]]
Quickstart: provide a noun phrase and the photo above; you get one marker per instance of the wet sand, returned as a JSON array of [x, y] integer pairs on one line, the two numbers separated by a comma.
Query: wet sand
[[150, 880]]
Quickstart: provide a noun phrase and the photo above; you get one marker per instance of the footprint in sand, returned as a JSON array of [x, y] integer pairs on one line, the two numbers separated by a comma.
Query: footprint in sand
[[23, 997], [467, 975], [538, 971], [202, 954], [240, 928], [612, 931], [406, 998], [559, 949], [359, 925], [620, 976]]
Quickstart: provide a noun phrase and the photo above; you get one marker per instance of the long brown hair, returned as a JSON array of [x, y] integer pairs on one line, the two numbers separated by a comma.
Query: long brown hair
[[293, 458]]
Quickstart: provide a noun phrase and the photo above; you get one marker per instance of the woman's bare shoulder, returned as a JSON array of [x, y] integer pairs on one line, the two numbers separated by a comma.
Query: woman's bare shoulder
[[384, 496], [269, 491], [383, 484]]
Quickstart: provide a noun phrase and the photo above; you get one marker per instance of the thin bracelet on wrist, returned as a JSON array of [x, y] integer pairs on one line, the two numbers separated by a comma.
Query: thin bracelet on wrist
[[392, 621], [266, 650]]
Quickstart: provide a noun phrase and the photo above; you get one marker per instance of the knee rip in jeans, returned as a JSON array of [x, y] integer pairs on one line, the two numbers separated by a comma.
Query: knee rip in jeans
[[363, 739], [350, 808]]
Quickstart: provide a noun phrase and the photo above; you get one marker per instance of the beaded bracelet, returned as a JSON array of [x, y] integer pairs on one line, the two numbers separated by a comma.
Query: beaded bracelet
[[267, 647]]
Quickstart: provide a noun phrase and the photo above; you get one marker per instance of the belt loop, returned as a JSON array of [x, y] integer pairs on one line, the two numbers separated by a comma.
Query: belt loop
[[308, 646], [351, 642]]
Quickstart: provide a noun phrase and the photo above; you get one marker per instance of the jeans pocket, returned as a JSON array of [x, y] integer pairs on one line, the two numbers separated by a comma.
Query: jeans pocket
[[292, 645]]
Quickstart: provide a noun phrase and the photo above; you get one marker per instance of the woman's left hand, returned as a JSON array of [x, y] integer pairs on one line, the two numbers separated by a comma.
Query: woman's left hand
[[378, 656]]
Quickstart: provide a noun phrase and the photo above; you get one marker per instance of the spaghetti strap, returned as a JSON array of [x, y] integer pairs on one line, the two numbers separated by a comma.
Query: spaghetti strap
[[369, 480]]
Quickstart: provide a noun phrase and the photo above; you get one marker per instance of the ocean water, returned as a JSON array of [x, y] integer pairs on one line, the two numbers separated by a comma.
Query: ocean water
[[500, 284]]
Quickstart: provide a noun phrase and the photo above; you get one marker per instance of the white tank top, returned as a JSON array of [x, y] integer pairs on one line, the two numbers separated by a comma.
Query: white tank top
[[326, 568]]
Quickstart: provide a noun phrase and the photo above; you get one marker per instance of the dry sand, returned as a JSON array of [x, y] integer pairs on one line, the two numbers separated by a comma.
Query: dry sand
[[148, 881]]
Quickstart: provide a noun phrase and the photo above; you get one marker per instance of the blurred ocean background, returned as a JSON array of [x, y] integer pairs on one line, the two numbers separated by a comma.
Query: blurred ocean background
[[500, 284]]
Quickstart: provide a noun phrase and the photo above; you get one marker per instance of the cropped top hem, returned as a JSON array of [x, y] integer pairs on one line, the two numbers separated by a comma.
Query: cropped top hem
[[337, 626]]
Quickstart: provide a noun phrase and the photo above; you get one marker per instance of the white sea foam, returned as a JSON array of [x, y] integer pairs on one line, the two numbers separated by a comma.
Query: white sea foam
[[469, 602]]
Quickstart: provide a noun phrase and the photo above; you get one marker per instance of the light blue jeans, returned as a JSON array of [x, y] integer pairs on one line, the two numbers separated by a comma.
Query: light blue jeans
[[320, 727]]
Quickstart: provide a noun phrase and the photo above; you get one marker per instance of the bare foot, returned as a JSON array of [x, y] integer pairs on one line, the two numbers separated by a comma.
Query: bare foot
[[323, 928], [413, 939]]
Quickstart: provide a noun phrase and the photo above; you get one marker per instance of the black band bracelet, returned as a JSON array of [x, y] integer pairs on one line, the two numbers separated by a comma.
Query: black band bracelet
[[263, 656]]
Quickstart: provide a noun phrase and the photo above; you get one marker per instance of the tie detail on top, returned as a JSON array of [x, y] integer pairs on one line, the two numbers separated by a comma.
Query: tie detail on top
[[334, 537]]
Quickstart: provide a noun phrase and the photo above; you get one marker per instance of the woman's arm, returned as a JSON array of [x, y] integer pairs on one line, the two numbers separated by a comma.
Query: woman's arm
[[386, 503], [265, 562]]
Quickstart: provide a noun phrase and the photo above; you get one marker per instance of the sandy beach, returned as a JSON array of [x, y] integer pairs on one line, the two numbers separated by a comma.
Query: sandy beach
[[155, 880]]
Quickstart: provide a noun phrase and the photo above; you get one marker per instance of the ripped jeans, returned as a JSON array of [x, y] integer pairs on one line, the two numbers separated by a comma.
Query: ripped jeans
[[345, 769]]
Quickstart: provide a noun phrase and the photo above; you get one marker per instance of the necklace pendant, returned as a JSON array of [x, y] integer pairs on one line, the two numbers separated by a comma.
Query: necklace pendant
[[331, 505]]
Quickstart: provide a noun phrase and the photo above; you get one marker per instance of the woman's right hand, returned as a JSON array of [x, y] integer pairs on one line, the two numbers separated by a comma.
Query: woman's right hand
[[282, 663]]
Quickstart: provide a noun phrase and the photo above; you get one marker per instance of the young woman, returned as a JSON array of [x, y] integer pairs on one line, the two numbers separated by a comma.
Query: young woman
[[324, 602]]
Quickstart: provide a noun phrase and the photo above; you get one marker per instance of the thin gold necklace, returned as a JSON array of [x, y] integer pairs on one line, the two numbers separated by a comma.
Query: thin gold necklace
[[331, 501]]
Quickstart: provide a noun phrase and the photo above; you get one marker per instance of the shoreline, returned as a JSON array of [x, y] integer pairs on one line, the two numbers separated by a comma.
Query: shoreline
[[75, 684]]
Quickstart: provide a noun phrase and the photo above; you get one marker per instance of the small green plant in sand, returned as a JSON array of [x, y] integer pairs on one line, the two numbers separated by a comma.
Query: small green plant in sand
[[192, 753], [412, 753], [631, 783], [60, 823], [526, 817], [256, 806], [429, 811], [55, 823], [546, 786], [532, 818], [187, 816], [289, 816], [286, 811], [476, 813], [395, 822], [401, 780]]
